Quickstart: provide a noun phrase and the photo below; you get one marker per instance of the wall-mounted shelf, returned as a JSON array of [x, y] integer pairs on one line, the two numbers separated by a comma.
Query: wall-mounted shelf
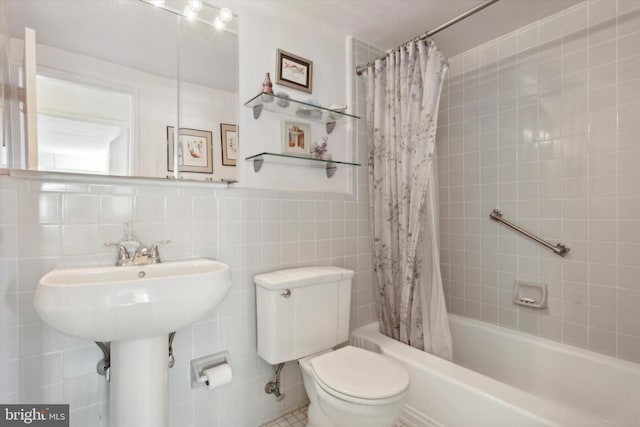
[[329, 165], [300, 109]]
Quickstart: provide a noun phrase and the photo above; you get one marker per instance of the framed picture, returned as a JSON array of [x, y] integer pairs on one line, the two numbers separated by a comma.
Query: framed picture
[[229, 140], [293, 71], [194, 150], [296, 138]]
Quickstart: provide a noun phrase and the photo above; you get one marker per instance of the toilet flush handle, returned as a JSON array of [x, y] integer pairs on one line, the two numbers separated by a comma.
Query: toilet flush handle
[[286, 293]]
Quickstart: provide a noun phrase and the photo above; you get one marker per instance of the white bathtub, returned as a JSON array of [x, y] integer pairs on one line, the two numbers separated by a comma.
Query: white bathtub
[[503, 378]]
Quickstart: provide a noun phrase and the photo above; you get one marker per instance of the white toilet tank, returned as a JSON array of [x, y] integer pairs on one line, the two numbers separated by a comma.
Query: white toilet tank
[[302, 311]]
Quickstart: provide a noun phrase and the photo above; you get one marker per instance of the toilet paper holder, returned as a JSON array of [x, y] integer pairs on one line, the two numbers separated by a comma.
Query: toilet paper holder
[[201, 364]]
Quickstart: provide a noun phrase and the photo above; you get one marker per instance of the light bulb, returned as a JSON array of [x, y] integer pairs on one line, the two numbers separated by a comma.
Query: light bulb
[[225, 15], [189, 13], [218, 24], [158, 3], [195, 5]]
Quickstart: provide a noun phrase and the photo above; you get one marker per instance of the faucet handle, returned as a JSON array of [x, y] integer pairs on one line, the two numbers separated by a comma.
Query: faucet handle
[[154, 253], [123, 253]]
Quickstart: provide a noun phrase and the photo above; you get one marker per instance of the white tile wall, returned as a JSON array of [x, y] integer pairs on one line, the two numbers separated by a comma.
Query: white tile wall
[[47, 223], [253, 231], [543, 124]]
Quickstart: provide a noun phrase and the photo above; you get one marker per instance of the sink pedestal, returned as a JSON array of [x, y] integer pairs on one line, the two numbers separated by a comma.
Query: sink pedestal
[[139, 383]]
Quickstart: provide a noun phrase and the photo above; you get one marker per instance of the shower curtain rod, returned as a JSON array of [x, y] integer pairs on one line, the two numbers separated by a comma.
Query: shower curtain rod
[[428, 34]]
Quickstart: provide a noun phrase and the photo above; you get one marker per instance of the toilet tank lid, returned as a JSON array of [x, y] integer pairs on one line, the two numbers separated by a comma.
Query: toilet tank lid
[[295, 277]]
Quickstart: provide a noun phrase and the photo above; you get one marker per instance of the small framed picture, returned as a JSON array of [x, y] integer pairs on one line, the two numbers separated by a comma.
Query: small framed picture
[[194, 150], [229, 140], [293, 71], [296, 138]]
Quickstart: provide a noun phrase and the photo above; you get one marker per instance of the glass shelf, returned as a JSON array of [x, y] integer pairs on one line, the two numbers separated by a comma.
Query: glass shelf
[[303, 110], [329, 165]]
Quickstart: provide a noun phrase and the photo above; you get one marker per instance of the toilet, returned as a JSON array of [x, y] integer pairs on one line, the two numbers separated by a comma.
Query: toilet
[[303, 314]]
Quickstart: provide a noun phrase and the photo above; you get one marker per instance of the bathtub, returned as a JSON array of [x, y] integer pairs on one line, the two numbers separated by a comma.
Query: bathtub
[[501, 377]]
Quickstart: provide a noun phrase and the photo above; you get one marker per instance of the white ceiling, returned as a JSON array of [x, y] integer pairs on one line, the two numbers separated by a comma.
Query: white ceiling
[[388, 23], [60, 135]]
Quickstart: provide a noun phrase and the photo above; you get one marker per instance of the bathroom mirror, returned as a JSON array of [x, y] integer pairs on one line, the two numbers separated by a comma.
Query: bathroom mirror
[[114, 79]]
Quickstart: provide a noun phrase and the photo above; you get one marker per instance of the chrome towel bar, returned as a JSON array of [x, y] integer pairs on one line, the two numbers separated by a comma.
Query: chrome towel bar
[[558, 249]]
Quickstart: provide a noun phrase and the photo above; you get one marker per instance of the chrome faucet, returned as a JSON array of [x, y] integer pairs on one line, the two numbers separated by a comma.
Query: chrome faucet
[[149, 255], [123, 254], [141, 255]]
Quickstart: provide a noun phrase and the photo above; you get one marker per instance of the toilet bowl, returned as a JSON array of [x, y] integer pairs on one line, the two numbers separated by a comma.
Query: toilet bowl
[[302, 314], [352, 387]]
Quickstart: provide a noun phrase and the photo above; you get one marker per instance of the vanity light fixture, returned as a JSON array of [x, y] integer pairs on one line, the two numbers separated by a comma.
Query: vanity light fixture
[[218, 24], [225, 15], [192, 9], [195, 5], [189, 13]]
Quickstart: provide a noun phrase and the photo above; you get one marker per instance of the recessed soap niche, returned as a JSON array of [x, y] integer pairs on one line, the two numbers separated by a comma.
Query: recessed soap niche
[[530, 294]]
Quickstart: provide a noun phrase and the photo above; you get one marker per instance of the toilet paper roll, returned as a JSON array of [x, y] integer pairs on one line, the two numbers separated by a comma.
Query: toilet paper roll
[[218, 375]]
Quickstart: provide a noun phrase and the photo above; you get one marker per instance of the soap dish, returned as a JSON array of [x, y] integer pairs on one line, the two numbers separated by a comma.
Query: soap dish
[[530, 294]]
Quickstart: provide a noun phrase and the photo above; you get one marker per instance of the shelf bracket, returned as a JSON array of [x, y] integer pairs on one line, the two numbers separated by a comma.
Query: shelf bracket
[[330, 126], [257, 163], [257, 110], [331, 169]]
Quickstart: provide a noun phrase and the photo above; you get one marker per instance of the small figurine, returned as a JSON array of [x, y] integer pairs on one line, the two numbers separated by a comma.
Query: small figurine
[[267, 86], [267, 89], [319, 150]]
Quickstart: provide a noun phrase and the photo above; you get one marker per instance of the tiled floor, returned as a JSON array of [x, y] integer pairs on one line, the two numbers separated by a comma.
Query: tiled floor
[[298, 418]]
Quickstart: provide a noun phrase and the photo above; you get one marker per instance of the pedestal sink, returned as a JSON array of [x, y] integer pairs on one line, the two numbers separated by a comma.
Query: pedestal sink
[[134, 307]]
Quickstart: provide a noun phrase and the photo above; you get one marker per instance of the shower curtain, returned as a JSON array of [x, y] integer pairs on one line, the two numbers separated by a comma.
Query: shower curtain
[[403, 94]]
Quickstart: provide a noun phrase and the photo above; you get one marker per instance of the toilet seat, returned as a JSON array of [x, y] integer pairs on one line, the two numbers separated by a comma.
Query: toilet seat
[[359, 376]]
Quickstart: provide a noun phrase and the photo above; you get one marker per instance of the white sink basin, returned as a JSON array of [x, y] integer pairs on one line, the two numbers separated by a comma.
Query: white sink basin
[[131, 302], [134, 307]]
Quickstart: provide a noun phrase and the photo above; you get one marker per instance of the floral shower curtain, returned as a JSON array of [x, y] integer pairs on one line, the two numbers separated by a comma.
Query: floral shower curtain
[[403, 94]]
